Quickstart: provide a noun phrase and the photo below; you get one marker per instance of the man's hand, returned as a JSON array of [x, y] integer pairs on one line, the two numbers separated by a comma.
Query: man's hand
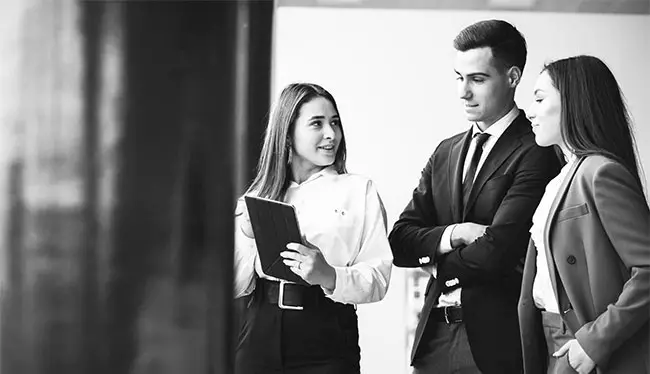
[[578, 358], [465, 233]]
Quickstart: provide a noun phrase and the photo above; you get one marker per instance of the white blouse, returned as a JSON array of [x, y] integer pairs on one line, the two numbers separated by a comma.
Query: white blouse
[[343, 216], [543, 293]]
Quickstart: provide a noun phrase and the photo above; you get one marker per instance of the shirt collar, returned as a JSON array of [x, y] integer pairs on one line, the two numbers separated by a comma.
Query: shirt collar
[[330, 170], [569, 157], [500, 126]]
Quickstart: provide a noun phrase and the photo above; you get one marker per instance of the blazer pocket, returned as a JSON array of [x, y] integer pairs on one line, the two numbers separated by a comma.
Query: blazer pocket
[[572, 212]]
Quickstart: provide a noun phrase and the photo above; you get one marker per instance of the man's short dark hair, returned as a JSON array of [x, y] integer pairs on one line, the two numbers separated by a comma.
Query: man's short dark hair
[[507, 44]]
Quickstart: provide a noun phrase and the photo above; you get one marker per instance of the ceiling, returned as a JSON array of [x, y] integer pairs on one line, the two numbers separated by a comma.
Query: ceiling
[[566, 6]]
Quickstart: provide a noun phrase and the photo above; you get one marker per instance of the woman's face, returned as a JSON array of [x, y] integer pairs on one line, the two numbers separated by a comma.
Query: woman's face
[[316, 137], [545, 112]]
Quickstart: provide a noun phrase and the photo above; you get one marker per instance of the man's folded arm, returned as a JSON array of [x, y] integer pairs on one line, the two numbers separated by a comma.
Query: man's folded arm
[[501, 248], [416, 236]]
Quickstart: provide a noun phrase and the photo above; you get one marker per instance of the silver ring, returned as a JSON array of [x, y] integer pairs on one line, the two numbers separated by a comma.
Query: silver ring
[[299, 263]]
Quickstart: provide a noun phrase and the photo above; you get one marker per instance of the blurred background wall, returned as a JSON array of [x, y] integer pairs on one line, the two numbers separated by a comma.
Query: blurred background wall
[[389, 64], [124, 141]]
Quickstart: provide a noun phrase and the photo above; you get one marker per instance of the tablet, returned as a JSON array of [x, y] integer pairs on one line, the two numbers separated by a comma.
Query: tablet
[[275, 225]]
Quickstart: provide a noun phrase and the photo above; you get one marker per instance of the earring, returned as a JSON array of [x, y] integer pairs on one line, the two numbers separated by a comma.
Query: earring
[[290, 156]]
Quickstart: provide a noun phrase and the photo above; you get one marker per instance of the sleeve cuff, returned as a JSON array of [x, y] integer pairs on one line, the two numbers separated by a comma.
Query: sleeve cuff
[[339, 284], [445, 239], [592, 350]]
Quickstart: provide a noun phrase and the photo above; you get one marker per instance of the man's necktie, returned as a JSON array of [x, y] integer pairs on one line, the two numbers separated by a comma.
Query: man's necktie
[[480, 138]]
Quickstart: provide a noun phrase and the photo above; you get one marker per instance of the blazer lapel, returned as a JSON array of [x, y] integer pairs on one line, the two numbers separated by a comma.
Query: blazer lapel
[[530, 319], [457, 154], [504, 147], [564, 186]]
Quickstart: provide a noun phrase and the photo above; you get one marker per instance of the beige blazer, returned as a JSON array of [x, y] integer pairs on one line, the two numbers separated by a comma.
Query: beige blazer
[[598, 235]]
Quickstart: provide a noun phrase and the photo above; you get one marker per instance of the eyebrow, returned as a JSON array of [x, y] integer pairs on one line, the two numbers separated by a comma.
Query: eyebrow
[[537, 90], [479, 74], [336, 116]]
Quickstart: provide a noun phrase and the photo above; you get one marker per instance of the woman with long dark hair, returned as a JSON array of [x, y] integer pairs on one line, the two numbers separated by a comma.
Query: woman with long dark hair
[[585, 299], [345, 255]]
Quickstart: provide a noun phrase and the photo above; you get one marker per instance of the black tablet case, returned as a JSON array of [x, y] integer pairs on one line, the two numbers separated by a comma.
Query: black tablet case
[[274, 225]]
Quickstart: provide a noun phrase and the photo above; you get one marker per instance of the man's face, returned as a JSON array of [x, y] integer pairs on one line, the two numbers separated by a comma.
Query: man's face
[[486, 90]]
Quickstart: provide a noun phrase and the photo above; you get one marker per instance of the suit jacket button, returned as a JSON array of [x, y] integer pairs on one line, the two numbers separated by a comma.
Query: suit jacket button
[[571, 260], [451, 282]]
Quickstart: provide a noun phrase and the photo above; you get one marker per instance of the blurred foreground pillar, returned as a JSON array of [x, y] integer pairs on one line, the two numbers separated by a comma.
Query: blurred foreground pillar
[[134, 127]]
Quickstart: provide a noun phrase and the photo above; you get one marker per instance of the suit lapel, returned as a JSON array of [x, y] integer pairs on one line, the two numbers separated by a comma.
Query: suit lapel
[[564, 186], [457, 154], [455, 163], [504, 147]]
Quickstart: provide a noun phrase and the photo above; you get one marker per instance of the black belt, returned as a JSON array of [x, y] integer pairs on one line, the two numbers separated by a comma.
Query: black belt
[[289, 295], [448, 314]]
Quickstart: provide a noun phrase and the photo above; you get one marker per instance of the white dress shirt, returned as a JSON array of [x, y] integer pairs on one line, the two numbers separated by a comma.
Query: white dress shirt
[[495, 130], [543, 293], [343, 216]]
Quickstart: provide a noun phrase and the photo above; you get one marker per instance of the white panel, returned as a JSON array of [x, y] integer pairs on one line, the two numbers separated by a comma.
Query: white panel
[[391, 72]]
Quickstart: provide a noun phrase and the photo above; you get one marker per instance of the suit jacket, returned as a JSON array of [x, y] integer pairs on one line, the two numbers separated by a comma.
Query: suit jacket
[[504, 196], [598, 237]]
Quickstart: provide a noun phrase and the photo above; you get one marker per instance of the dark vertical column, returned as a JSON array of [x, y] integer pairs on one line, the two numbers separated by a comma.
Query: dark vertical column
[[92, 333], [220, 100], [253, 50], [192, 90], [135, 118], [11, 297], [252, 85], [139, 332]]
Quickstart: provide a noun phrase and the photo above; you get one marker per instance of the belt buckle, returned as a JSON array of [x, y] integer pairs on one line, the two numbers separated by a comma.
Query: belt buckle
[[281, 303], [446, 315]]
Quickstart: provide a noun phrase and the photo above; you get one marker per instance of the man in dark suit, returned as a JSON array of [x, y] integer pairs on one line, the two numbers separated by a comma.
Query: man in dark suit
[[469, 218]]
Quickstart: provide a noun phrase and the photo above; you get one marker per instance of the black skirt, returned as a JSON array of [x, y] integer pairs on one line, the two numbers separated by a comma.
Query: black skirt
[[323, 338]]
